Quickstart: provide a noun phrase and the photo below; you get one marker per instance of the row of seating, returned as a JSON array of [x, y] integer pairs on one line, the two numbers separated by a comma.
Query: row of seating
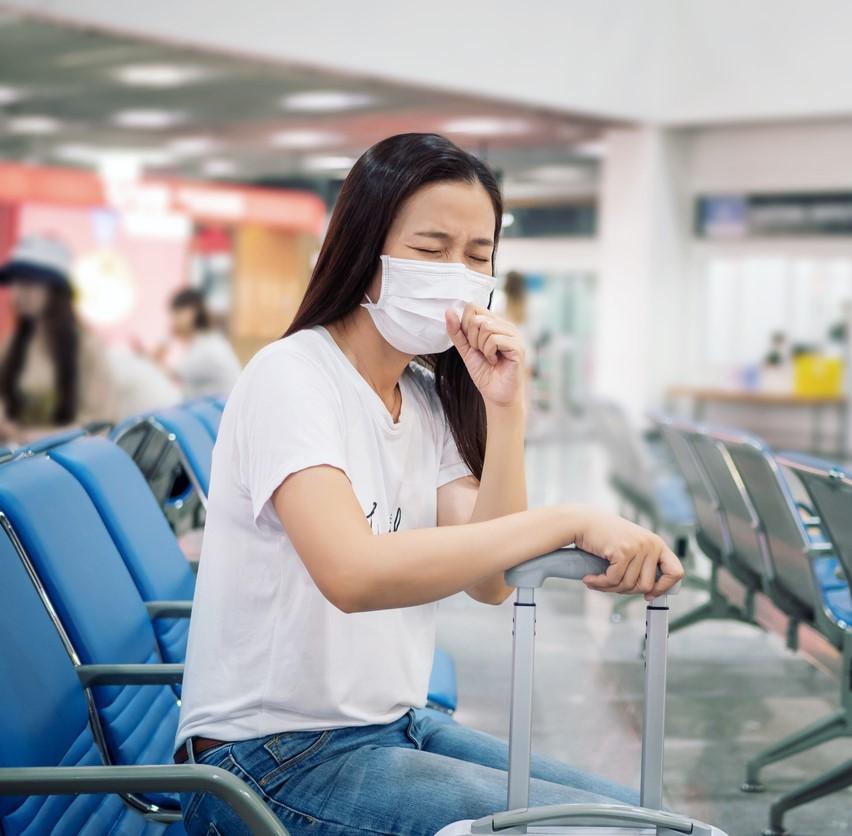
[[173, 448], [91, 653], [95, 596], [777, 530]]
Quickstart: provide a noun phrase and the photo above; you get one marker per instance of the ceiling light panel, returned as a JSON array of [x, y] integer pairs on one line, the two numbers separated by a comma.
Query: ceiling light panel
[[313, 101], [159, 76], [487, 126], [33, 125], [148, 119], [299, 140]]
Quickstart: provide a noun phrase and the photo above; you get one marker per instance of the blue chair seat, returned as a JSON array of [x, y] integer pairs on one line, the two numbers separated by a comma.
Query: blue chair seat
[[839, 603], [442, 683], [672, 499], [828, 573]]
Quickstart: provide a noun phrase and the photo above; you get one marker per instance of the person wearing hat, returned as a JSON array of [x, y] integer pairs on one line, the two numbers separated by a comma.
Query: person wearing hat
[[53, 371]]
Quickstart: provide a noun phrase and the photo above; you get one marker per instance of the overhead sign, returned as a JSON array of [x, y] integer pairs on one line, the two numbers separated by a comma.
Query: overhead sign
[[807, 214]]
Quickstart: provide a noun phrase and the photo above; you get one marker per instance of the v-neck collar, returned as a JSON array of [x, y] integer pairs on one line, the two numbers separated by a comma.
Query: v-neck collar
[[379, 406]]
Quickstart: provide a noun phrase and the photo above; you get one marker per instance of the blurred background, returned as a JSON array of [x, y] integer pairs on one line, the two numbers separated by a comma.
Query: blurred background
[[677, 179]]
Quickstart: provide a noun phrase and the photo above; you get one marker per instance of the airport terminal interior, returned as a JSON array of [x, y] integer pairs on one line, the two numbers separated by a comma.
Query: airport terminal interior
[[672, 183]]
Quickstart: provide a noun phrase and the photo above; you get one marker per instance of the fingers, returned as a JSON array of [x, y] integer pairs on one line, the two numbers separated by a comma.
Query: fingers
[[672, 573], [455, 332], [491, 335]]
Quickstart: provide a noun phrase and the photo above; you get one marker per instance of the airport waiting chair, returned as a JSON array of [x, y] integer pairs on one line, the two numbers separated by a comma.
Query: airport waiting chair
[[140, 532], [84, 581], [208, 413], [52, 777], [802, 581], [829, 488], [729, 598], [174, 450]]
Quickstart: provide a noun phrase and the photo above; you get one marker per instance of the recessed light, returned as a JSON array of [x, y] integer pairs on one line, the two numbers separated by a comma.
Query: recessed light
[[487, 126], [595, 148], [558, 173], [148, 119], [508, 219], [304, 139], [32, 125], [159, 75], [329, 163], [192, 145], [218, 168], [319, 100], [9, 94]]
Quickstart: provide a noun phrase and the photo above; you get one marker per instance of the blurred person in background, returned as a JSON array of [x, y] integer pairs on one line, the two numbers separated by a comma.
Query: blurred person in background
[[205, 362], [53, 370], [515, 290]]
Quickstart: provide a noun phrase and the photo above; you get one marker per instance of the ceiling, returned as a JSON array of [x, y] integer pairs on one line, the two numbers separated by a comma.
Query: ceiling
[[84, 98]]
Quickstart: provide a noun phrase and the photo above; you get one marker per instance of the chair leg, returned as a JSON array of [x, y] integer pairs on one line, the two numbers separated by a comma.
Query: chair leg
[[834, 780], [834, 725]]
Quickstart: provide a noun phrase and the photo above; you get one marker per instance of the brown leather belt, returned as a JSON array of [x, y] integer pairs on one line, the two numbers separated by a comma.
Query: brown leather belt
[[199, 746]]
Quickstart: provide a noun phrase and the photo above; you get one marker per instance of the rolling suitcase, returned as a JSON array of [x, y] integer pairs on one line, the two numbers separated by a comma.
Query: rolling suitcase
[[647, 819]]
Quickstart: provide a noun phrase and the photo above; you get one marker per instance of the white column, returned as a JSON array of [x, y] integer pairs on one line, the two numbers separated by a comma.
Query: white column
[[642, 293]]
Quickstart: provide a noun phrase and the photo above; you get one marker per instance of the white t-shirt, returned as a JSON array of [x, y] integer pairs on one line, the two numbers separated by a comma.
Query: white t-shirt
[[267, 652], [209, 366]]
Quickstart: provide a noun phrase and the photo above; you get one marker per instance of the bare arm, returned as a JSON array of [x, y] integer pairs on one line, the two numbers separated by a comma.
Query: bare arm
[[501, 491], [493, 353], [359, 571]]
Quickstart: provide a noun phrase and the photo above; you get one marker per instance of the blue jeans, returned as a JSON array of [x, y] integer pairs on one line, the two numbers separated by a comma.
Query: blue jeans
[[410, 777]]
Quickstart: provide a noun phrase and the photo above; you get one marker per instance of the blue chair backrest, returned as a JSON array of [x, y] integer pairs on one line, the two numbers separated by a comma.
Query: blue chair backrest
[[138, 528], [711, 528], [95, 598], [194, 440], [830, 489], [779, 518], [739, 515], [208, 414], [43, 717], [48, 441]]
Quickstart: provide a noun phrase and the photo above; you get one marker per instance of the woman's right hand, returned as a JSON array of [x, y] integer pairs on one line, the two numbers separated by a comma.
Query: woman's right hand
[[634, 554]]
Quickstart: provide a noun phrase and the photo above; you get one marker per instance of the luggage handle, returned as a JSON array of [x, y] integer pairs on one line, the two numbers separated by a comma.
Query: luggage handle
[[587, 815], [574, 564]]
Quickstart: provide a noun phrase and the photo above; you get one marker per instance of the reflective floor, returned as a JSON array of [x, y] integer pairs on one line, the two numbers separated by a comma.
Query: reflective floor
[[732, 688]]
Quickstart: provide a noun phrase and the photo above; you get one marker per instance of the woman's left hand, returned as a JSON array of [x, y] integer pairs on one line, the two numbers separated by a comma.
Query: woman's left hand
[[493, 353]]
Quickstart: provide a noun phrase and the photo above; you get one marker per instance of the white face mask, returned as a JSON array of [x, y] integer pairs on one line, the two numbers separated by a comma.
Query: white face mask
[[414, 295]]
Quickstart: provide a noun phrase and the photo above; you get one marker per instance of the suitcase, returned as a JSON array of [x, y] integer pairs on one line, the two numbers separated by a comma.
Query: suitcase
[[647, 819]]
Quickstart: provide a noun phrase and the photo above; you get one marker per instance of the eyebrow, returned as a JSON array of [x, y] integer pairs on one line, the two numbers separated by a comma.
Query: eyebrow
[[445, 236]]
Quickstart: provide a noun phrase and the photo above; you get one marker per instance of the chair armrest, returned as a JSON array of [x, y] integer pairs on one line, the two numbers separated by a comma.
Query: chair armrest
[[154, 674], [169, 609], [75, 780]]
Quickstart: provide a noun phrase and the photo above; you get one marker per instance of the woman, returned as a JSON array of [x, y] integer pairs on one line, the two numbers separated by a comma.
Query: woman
[[351, 490], [53, 372], [206, 363]]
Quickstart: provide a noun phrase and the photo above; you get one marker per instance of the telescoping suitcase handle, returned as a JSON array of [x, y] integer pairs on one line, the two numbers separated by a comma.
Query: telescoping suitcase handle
[[575, 564]]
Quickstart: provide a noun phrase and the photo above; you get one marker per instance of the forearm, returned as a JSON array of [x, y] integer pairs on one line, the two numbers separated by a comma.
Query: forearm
[[417, 566], [503, 486]]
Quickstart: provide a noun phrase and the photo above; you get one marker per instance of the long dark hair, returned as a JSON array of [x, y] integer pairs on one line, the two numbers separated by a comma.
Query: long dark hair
[[63, 341], [379, 182]]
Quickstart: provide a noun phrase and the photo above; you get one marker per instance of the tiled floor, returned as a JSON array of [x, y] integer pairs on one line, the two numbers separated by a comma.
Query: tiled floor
[[732, 688]]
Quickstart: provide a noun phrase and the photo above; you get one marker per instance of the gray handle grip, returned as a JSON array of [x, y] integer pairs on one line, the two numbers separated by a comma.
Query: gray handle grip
[[587, 815], [571, 563]]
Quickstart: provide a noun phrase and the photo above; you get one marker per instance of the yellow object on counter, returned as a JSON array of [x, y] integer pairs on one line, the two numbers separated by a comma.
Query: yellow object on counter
[[815, 375]]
